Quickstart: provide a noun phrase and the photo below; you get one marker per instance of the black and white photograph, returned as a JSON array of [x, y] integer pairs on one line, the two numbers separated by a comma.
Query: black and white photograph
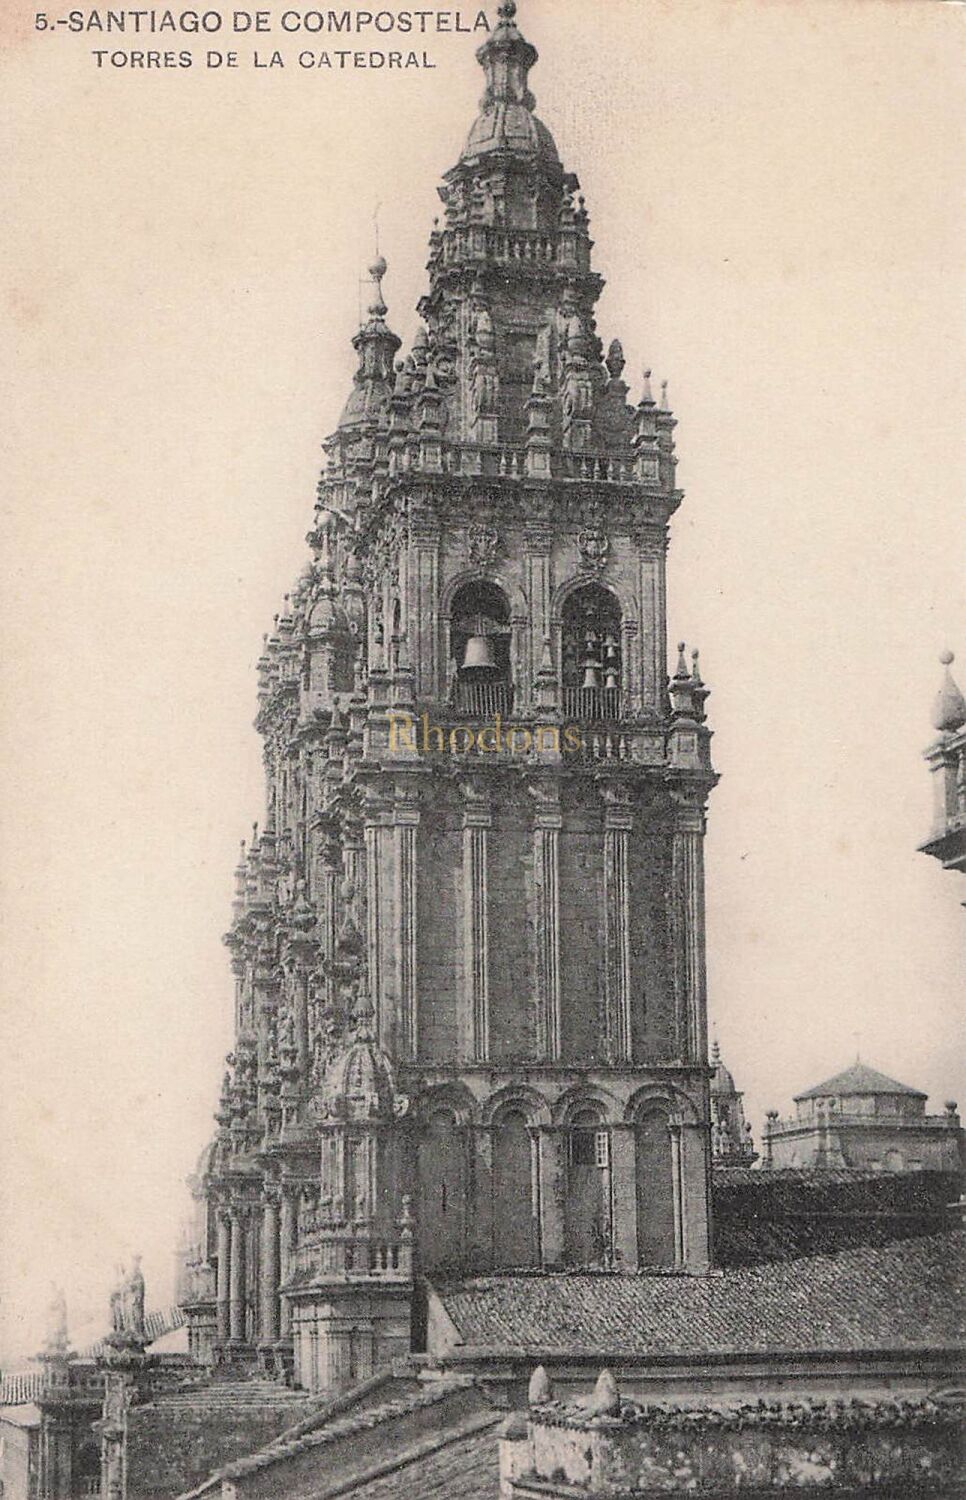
[[484, 751]]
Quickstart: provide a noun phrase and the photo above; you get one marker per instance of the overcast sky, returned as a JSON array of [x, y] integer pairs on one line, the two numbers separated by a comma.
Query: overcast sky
[[776, 194]]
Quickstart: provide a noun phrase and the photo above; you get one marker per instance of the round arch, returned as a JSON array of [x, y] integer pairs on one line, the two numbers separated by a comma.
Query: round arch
[[516, 1099], [583, 1097], [661, 1098], [510, 587], [449, 1098], [625, 602]]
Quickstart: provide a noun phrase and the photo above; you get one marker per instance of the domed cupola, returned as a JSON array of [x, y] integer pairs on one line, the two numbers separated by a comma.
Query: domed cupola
[[506, 121], [360, 1084], [722, 1079], [731, 1142]]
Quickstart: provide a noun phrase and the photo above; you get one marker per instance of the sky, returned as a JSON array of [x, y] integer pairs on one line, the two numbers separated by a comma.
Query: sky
[[776, 194]]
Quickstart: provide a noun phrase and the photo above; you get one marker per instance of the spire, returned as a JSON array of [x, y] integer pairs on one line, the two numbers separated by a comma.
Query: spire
[[376, 346], [949, 710]]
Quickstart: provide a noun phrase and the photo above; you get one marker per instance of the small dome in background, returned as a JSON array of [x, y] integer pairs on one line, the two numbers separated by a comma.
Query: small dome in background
[[722, 1081]]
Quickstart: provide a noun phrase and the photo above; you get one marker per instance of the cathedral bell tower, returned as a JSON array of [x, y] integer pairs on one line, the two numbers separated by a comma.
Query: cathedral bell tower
[[469, 939]]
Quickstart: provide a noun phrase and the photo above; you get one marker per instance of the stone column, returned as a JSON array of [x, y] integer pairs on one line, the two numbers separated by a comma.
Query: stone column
[[687, 924], [223, 1292], [651, 644], [477, 820], [539, 542], [374, 919], [237, 1278], [618, 823], [674, 1126], [547, 823], [289, 1219], [406, 832], [269, 1266], [423, 612]]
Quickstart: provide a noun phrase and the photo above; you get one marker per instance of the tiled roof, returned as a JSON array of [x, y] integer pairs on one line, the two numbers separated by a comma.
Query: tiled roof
[[859, 1079], [903, 1296], [353, 1422], [449, 1451], [787, 1213], [465, 1470]]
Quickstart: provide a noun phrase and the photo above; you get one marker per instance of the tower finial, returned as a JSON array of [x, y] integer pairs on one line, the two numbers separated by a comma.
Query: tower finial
[[949, 710]]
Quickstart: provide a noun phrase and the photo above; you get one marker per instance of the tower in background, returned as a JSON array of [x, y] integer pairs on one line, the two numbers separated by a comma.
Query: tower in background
[[946, 758], [468, 935]]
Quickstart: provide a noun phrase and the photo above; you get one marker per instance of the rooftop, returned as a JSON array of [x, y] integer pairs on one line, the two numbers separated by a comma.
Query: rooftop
[[858, 1079], [904, 1295]]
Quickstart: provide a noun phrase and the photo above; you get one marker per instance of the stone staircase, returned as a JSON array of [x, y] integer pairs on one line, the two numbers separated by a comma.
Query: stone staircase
[[221, 1395]]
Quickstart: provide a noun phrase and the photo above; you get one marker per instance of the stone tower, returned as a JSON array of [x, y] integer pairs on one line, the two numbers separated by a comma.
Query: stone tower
[[468, 938]]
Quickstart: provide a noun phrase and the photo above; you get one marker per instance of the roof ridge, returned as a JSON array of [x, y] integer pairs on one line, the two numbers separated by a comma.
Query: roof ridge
[[281, 1448]]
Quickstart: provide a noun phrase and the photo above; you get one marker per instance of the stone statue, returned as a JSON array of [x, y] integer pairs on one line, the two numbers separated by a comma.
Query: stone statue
[[56, 1322]]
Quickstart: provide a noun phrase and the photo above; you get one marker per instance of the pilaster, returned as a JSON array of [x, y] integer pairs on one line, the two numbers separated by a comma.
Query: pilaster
[[547, 823], [475, 1018], [687, 925], [406, 820], [237, 1320], [618, 823], [223, 1290], [269, 1265]]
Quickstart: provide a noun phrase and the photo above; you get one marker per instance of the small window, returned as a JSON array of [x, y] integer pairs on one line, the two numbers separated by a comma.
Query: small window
[[601, 1149], [583, 1148]]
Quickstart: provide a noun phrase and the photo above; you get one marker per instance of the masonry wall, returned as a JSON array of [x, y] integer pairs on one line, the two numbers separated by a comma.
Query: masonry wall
[[172, 1448], [510, 951], [581, 939], [653, 1032], [439, 937], [907, 1459]]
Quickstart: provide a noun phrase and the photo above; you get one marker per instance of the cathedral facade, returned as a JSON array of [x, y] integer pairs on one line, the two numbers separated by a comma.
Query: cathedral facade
[[468, 933]]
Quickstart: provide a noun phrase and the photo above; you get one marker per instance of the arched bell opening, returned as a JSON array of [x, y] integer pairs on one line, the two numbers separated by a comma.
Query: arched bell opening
[[588, 1223], [480, 642], [443, 1193], [591, 654]]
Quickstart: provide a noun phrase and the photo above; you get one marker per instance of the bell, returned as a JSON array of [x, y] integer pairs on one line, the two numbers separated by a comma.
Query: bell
[[478, 656], [611, 682], [591, 673]]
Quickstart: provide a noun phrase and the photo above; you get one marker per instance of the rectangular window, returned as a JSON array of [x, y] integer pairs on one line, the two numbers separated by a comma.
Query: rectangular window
[[602, 1148]]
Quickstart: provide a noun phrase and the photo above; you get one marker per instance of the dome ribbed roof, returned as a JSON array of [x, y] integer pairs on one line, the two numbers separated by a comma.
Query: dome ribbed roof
[[510, 127], [859, 1079]]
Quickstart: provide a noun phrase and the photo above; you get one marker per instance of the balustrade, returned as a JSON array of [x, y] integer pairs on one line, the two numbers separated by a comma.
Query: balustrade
[[482, 700], [593, 704], [343, 1254]]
